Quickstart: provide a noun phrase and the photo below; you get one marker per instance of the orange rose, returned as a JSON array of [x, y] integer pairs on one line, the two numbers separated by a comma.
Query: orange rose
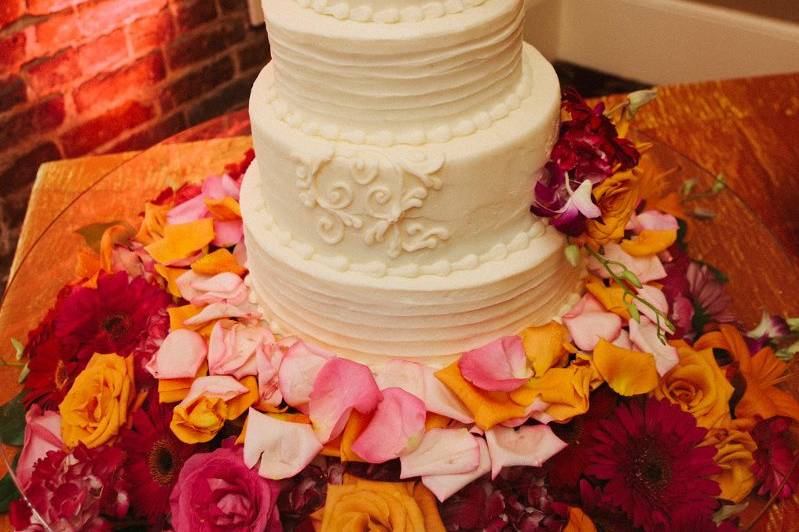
[[698, 386], [734, 455], [97, 404], [617, 197], [369, 505]]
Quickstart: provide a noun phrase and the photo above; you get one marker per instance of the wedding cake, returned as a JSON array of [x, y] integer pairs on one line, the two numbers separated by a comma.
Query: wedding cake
[[397, 144]]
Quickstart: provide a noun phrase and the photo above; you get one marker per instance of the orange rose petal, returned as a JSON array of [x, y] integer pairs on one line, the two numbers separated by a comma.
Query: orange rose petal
[[152, 226], [171, 276], [578, 521], [670, 204], [435, 421], [627, 372], [88, 265], [487, 408], [178, 315], [650, 242], [292, 417], [182, 241], [223, 209], [239, 404], [566, 390], [356, 424], [611, 297], [243, 433], [429, 507], [175, 390], [220, 261], [543, 346], [116, 234]]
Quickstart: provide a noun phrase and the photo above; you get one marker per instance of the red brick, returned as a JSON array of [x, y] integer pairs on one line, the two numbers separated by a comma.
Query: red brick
[[22, 172], [104, 52], [56, 31], [12, 93], [192, 13], [104, 128], [43, 116], [234, 95], [197, 83], [12, 50], [151, 134], [254, 55], [202, 45], [149, 32], [10, 11], [143, 73], [45, 75], [45, 7], [99, 16]]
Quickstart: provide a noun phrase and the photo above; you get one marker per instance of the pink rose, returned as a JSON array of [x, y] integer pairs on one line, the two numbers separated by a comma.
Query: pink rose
[[217, 492], [233, 346], [42, 435]]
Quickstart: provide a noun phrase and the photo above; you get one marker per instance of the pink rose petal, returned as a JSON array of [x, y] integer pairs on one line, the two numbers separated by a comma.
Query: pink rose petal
[[223, 287], [530, 445], [340, 386], [298, 372], [188, 211], [588, 322], [222, 386], [645, 268], [179, 357], [283, 448], [444, 486], [623, 340], [228, 232], [656, 298], [268, 358], [499, 366], [442, 452], [42, 435], [220, 187], [587, 303], [403, 374], [396, 428], [216, 311], [656, 221], [232, 348], [439, 399], [644, 336]]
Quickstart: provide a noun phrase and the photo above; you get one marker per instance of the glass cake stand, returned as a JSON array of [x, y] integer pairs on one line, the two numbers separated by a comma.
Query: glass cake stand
[[761, 274]]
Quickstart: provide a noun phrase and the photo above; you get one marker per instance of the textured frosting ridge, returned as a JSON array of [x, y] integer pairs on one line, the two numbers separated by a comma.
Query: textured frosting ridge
[[388, 12]]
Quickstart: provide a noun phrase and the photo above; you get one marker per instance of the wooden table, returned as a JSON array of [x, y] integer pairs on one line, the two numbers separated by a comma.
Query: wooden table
[[746, 129]]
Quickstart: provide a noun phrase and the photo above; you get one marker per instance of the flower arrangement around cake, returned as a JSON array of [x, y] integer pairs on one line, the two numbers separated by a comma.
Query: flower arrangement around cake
[[155, 396]]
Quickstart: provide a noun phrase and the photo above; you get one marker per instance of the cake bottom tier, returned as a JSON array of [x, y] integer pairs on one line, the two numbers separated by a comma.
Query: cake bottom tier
[[428, 318]]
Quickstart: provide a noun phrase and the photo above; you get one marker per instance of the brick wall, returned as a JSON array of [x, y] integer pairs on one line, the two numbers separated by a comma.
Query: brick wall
[[95, 76]]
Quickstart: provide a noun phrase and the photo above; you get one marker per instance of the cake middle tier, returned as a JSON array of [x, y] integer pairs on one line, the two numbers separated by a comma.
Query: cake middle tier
[[408, 82], [406, 210]]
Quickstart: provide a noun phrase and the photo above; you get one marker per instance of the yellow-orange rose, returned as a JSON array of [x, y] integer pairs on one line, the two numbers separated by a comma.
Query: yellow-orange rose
[[616, 197], [365, 505], [698, 386], [734, 455], [97, 404], [210, 402]]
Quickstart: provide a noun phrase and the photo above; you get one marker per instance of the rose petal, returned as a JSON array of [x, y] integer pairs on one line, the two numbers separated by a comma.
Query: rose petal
[[232, 348], [499, 366], [181, 241], [442, 452], [656, 221], [644, 336], [649, 242], [530, 445], [219, 261], [216, 311], [42, 435], [298, 372], [179, 357], [396, 427], [268, 358], [223, 287], [587, 303], [403, 374], [228, 233], [626, 372], [444, 486], [340, 386], [623, 340], [587, 329], [218, 187], [439, 398], [284, 448], [655, 297], [645, 268], [222, 386], [188, 211]]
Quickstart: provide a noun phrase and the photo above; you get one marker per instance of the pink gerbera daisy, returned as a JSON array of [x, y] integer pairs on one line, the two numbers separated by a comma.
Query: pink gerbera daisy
[[649, 458]]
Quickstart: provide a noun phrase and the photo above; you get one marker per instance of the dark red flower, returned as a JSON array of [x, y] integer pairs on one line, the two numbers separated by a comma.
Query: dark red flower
[[80, 490], [647, 457], [303, 494], [774, 458], [154, 459], [565, 468]]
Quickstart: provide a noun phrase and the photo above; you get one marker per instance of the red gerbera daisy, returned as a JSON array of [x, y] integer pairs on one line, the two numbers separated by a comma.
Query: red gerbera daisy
[[155, 457], [648, 453]]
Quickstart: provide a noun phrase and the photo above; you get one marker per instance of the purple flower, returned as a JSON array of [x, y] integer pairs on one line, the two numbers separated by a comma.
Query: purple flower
[[711, 301]]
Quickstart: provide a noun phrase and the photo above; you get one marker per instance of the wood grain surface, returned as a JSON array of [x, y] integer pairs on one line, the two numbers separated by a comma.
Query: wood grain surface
[[746, 129]]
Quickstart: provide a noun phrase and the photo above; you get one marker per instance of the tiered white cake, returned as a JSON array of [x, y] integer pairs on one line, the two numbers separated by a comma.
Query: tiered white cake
[[397, 144]]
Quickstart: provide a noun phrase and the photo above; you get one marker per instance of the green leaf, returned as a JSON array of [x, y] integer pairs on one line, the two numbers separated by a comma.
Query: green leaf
[[728, 510], [687, 187], [634, 313], [719, 184], [93, 233], [19, 348], [631, 278], [572, 253], [8, 490], [23, 375], [12, 421], [788, 353], [793, 324]]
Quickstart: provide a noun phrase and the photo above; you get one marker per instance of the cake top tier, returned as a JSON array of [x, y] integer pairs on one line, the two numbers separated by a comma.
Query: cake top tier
[[406, 83], [388, 11]]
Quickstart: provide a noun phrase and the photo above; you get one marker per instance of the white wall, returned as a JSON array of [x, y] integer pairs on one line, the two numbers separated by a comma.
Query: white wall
[[662, 41]]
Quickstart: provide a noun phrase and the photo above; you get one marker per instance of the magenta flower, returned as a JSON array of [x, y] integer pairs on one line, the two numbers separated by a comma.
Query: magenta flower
[[774, 458], [711, 301]]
